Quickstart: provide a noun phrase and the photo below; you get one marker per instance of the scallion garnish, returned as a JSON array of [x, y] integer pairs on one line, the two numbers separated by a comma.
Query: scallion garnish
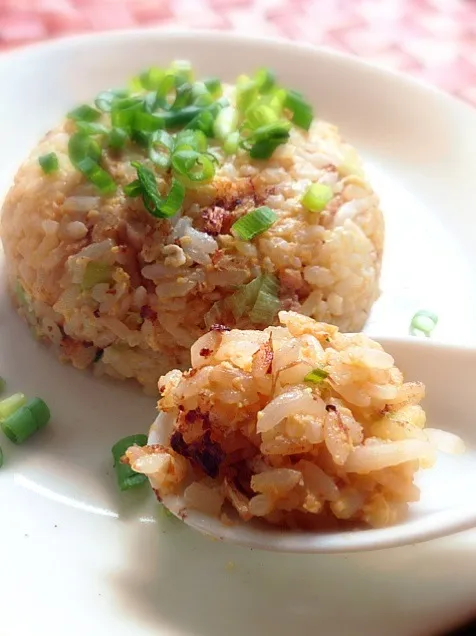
[[82, 146], [316, 376], [117, 138], [182, 69], [258, 299], [151, 79], [214, 87], [230, 145], [246, 92], [201, 95], [9, 405], [49, 162], [302, 111], [253, 223], [84, 153], [267, 302], [84, 113], [146, 187], [423, 323], [105, 99], [91, 128], [194, 166], [265, 79], [316, 197], [188, 139], [160, 148], [26, 420], [226, 122], [125, 476]]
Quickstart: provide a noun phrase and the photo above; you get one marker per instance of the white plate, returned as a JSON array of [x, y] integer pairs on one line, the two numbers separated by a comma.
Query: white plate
[[76, 556]]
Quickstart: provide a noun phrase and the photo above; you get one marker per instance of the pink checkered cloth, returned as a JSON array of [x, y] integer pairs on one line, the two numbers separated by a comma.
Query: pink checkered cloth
[[432, 39]]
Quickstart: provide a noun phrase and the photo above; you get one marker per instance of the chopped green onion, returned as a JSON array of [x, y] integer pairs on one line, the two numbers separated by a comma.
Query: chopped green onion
[[133, 189], [254, 223], [183, 96], [26, 420], [147, 122], [194, 166], [173, 202], [316, 376], [126, 477], [230, 145], [316, 197], [91, 128], [3, 384], [260, 115], [204, 122], [151, 79], [264, 140], [188, 139], [179, 118], [160, 148], [265, 79], [214, 86], [95, 273], [117, 138], [49, 162], [97, 175], [84, 113], [302, 111], [246, 92], [423, 322], [82, 146], [244, 298], [153, 202], [105, 99], [226, 122], [123, 111], [9, 405], [200, 95], [182, 69], [259, 299], [267, 303]]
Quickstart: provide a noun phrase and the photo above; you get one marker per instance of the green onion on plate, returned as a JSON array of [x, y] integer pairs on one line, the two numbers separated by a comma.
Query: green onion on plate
[[125, 476], [423, 323], [84, 113], [26, 421], [302, 111], [9, 405]]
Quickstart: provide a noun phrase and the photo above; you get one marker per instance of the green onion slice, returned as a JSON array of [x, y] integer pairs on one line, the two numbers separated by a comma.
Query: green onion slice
[[259, 299], [246, 92], [133, 189], [214, 86], [160, 148], [182, 69], [201, 95], [226, 122], [84, 113], [153, 202], [316, 197], [254, 223], [188, 139], [97, 175], [265, 139], [316, 376], [151, 79], [230, 145], [423, 323], [126, 477], [302, 111], [267, 302], [9, 405], [117, 138], [49, 162], [265, 79], [194, 166], [26, 420], [82, 146], [105, 99], [91, 128]]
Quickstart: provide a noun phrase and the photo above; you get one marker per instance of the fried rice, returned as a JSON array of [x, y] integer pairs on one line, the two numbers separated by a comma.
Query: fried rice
[[111, 287], [298, 425]]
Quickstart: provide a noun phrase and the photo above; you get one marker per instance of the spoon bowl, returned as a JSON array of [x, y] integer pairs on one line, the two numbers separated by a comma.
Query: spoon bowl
[[447, 504]]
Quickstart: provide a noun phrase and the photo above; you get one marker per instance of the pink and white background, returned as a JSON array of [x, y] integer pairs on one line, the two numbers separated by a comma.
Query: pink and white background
[[430, 39]]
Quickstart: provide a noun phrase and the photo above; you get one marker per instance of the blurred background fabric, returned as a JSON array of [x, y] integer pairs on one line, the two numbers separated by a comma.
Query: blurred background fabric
[[434, 40]]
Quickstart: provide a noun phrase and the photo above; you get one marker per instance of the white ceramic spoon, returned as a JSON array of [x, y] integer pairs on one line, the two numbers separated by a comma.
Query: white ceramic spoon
[[448, 490]]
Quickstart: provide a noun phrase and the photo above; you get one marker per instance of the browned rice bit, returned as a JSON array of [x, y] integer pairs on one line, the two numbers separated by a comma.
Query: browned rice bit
[[298, 424]]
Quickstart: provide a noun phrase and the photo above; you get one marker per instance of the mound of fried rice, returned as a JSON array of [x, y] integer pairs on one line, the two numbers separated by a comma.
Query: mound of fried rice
[[158, 284], [252, 430]]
